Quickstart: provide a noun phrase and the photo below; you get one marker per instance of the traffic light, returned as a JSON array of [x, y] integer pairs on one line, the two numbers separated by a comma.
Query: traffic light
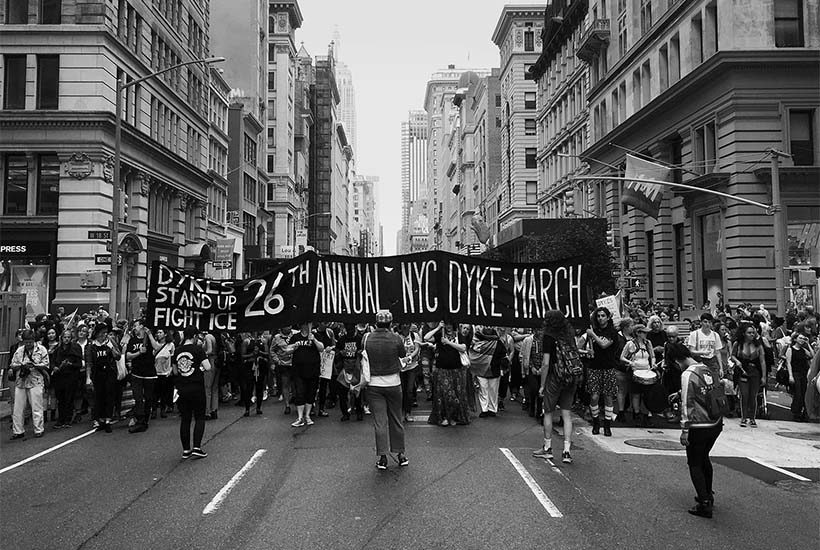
[[124, 206], [569, 203], [610, 237]]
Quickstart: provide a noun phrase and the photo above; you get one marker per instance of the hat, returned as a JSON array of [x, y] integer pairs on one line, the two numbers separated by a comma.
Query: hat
[[98, 328], [640, 328], [384, 316]]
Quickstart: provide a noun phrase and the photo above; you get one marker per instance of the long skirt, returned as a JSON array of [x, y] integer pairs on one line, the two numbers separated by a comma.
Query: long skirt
[[450, 397]]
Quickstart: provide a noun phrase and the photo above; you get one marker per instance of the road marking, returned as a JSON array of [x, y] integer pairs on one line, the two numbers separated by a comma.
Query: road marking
[[47, 451], [780, 470], [531, 483], [770, 403], [223, 493]]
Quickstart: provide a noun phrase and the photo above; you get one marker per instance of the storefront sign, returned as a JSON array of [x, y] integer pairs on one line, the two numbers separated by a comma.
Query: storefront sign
[[429, 286], [32, 280]]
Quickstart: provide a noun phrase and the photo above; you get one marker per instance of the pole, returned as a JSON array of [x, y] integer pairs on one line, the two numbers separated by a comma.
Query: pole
[[779, 237], [115, 206], [622, 252]]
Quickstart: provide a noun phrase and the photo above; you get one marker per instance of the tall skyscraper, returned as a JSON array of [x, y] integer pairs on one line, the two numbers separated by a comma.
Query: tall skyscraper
[[347, 93], [413, 170]]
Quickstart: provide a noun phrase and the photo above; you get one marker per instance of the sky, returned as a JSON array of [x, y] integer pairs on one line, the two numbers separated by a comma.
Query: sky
[[392, 48]]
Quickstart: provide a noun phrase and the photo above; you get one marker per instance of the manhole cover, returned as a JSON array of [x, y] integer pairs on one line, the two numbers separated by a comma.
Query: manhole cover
[[808, 436], [655, 444]]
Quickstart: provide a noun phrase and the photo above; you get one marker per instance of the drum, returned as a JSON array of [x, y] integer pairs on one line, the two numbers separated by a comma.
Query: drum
[[644, 377]]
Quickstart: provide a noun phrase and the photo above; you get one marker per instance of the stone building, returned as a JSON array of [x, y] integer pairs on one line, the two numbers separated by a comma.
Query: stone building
[[60, 62], [710, 87], [413, 172]]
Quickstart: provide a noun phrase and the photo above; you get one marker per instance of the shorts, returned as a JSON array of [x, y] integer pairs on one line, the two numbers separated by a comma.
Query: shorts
[[557, 395], [602, 382]]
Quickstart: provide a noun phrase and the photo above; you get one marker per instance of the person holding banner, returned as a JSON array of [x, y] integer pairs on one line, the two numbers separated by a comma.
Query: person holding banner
[[381, 374], [306, 350], [602, 380], [282, 358], [254, 372], [450, 404]]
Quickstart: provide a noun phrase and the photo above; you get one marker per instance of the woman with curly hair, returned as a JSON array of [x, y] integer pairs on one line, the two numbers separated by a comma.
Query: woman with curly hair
[[450, 405], [749, 359], [601, 380]]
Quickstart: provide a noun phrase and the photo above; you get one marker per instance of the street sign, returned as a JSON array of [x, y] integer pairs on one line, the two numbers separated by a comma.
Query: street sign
[[301, 237], [99, 235], [105, 259], [632, 258], [286, 251], [627, 273], [224, 264], [224, 250]]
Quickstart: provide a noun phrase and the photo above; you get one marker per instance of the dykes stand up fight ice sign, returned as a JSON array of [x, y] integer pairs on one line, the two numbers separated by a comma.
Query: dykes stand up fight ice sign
[[429, 286]]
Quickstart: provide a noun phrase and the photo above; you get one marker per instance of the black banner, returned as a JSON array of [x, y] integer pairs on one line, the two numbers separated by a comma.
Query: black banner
[[429, 286]]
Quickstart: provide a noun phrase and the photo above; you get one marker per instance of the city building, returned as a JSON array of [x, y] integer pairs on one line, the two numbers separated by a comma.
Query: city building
[[441, 112], [562, 115], [413, 172], [330, 158], [365, 224], [518, 36], [710, 88], [57, 141], [347, 92], [286, 198]]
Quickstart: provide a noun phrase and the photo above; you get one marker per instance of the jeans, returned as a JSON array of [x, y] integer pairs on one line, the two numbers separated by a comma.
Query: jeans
[[143, 390], [385, 404], [748, 397], [324, 386], [212, 389], [701, 441], [488, 394], [21, 398], [191, 403], [801, 383], [408, 389], [65, 387]]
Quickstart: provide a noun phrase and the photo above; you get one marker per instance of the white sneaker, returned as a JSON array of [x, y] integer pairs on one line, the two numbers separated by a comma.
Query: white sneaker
[[366, 409], [265, 395]]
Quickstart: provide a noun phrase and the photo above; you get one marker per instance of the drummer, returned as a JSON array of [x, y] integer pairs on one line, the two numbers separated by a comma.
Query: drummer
[[639, 356]]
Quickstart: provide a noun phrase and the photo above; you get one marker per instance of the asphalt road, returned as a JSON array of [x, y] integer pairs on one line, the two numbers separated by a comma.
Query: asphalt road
[[318, 488]]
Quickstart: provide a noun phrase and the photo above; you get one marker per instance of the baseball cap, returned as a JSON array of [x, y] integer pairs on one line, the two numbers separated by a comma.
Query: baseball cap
[[384, 316]]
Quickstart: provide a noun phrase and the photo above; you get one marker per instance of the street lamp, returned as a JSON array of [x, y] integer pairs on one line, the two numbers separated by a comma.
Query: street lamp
[[115, 208]]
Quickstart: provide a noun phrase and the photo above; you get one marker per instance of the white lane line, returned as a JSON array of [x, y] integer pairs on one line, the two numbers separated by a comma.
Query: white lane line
[[223, 493], [43, 453], [542, 497], [798, 477]]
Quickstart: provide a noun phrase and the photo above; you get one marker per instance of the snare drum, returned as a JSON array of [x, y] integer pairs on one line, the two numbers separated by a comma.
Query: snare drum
[[644, 377]]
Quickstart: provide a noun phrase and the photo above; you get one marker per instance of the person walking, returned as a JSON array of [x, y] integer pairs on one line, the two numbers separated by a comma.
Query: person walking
[[798, 358], [210, 346], [380, 373], [701, 425], [602, 380], [143, 375], [347, 361], [282, 358], [749, 360], [705, 345], [101, 358], [450, 403], [306, 361], [163, 347], [189, 366], [409, 369], [531, 357], [30, 367], [487, 353], [68, 362], [557, 332], [639, 356]]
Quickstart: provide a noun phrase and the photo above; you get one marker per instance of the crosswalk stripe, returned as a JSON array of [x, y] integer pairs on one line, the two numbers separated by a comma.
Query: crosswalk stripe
[[539, 493]]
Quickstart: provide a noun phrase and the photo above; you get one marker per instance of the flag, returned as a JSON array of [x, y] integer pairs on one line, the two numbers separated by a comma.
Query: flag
[[70, 320], [646, 197]]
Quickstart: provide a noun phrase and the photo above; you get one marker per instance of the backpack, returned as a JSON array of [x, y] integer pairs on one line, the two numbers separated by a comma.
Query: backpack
[[717, 406], [568, 365]]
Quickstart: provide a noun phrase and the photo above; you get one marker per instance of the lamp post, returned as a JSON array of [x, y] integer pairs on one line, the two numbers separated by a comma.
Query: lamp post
[[115, 207]]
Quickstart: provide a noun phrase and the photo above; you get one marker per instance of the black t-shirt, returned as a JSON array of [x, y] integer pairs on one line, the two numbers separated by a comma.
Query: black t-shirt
[[448, 357], [347, 349], [306, 360], [548, 345], [605, 358], [188, 359], [143, 364]]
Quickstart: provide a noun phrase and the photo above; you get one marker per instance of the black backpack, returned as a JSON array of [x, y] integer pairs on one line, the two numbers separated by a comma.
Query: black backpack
[[568, 365], [717, 405]]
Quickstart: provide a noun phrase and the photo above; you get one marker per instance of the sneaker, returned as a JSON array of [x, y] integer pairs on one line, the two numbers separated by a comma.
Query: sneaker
[[403, 460], [491, 414], [324, 414], [132, 422], [444, 423], [345, 417], [566, 458], [39, 434], [107, 427], [265, 395], [186, 455], [196, 452], [258, 411], [483, 414], [382, 463], [408, 418], [309, 421], [299, 423], [752, 423], [366, 409], [17, 436], [701, 510], [95, 424], [546, 454], [743, 423], [287, 410]]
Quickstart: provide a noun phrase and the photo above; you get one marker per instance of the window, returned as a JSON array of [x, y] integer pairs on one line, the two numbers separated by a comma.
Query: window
[[529, 127], [636, 91], [49, 11], [696, 39], [674, 59], [705, 148], [529, 41], [529, 100], [249, 224], [788, 23], [802, 229], [14, 90], [17, 12], [529, 158], [270, 163], [622, 32], [48, 184], [615, 112], [271, 109], [16, 185], [663, 67], [646, 16], [498, 100], [261, 194], [271, 80], [48, 81], [250, 150], [532, 192], [646, 82], [801, 137], [191, 223]]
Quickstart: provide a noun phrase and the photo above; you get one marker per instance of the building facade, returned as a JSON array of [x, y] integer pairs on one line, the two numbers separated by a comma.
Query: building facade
[[413, 172], [710, 87], [347, 93], [364, 226], [60, 65], [562, 115], [518, 37]]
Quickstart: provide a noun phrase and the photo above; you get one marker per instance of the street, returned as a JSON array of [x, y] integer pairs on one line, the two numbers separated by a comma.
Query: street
[[267, 485]]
